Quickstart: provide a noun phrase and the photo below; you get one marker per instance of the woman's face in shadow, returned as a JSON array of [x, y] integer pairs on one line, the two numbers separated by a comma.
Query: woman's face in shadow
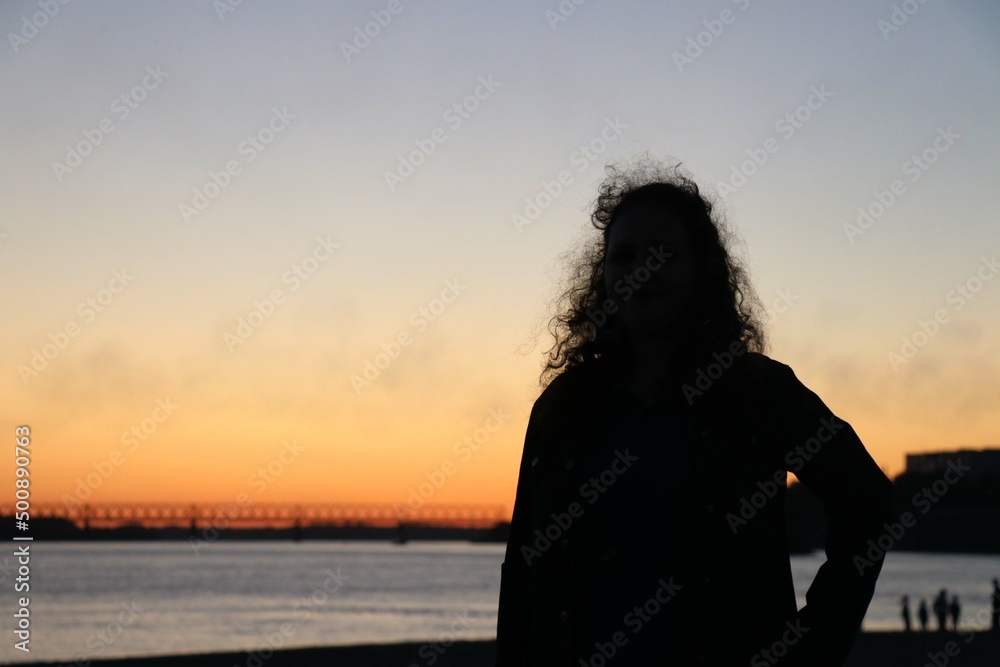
[[649, 270]]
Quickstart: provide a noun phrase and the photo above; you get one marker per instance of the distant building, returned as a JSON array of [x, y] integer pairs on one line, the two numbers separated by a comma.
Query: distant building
[[984, 462]]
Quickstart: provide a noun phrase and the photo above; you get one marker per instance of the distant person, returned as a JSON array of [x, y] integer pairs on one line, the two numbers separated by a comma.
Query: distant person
[[923, 615], [941, 610], [995, 605], [956, 611], [649, 522], [906, 612]]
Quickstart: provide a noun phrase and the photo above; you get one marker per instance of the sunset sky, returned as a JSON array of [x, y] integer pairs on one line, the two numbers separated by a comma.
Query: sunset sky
[[200, 245]]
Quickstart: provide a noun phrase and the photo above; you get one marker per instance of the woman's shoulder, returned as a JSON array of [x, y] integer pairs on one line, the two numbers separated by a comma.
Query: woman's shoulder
[[578, 388], [567, 403], [774, 384], [757, 373], [762, 367], [571, 380]]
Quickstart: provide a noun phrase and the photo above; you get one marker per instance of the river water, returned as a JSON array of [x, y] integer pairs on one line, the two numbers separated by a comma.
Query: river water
[[91, 600]]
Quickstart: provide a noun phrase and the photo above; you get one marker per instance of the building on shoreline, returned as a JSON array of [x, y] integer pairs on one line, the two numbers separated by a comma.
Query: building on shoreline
[[984, 463]]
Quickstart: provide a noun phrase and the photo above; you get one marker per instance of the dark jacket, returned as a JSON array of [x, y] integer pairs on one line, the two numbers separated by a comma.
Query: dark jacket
[[726, 596]]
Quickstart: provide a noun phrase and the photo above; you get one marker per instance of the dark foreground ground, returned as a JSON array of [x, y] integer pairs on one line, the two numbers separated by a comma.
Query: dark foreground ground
[[875, 649]]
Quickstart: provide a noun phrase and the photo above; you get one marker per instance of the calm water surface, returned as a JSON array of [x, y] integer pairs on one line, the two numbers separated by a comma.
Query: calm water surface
[[92, 600]]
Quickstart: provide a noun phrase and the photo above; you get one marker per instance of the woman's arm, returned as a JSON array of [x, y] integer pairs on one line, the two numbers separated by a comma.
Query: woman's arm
[[826, 454]]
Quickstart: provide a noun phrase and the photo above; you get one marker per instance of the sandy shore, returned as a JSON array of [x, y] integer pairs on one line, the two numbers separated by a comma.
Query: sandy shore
[[875, 649]]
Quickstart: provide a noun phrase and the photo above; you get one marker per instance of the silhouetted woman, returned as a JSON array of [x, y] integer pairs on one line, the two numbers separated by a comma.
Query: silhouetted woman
[[649, 521]]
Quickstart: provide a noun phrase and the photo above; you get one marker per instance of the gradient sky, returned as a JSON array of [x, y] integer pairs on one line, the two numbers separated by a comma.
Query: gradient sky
[[336, 121]]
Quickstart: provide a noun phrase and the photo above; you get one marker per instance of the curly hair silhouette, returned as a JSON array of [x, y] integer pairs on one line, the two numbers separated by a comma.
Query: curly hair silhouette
[[724, 308]]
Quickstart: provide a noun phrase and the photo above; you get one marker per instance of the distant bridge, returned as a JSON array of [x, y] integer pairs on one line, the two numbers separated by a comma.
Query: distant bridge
[[255, 515]]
